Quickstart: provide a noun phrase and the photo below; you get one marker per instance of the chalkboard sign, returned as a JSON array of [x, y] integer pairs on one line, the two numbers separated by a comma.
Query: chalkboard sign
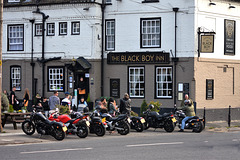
[[115, 88]]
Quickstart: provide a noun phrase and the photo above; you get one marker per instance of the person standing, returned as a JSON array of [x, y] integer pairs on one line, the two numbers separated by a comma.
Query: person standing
[[13, 99], [54, 100], [45, 107], [26, 98], [188, 108], [112, 107], [81, 88], [125, 105], [66, 101]]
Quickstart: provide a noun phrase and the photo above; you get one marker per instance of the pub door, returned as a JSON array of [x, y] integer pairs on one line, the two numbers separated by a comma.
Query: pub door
[[82, 83]]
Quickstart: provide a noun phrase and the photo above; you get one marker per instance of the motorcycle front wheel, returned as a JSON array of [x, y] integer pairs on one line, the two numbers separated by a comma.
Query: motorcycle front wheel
[[169, 126], [82, 130], [125, 127], [99, 130], [59, 133], [28, 127]]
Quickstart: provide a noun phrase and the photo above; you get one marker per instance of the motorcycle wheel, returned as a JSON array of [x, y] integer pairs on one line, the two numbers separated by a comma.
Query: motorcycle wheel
[[169, 126], [59, 133], [82, 130], [99, 130], [138, 127], [146, 125], [126, 128], [199, 127], [28, 127]]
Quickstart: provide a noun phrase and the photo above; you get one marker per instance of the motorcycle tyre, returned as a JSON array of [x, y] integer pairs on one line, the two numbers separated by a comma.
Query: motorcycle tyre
[[169, 126], [31, 125], [59, 134], [85, 130], [199, 128], [99, 130], [138, 127], [126, 128], [146, 125]]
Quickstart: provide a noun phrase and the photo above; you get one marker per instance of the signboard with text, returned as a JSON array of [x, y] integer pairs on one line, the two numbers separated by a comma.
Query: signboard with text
[[138, 57], [229, 37]]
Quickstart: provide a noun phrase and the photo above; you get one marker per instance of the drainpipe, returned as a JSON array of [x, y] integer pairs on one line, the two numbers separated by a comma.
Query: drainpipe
[[175, 59], [32, 63], [44, 17], [102, 50]]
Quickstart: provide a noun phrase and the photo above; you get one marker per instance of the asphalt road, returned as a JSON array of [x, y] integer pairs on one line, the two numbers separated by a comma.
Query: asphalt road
[[135, 146]]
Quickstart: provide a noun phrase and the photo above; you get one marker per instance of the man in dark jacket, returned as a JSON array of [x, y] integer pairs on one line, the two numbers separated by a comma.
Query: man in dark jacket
[[125, 106]]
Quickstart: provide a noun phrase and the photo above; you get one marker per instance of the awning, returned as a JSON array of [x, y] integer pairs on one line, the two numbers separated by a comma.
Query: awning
[[83, 63]]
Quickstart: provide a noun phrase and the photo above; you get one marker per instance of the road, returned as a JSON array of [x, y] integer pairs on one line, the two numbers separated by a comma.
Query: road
[[136, 146]]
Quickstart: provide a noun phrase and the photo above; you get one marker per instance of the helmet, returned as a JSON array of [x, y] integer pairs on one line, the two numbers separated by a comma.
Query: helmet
[[85, 109], [151, 106]]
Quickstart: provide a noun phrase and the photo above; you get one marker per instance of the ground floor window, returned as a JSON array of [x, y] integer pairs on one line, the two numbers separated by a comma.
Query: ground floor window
[[136, 82], [164, 82], [56, 78], [16, 77], [209, 88]]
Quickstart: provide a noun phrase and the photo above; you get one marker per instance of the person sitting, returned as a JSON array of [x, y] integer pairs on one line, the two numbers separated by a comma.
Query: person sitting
[[66, 102], [46, 107], [112, 107], [82, 105]]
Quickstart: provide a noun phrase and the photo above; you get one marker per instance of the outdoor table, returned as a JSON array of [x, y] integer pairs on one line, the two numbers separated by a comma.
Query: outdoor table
[[15, 118]]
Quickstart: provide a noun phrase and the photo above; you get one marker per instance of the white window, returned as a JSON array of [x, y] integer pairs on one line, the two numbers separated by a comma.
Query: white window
[[110, 35], [164, 82], [50, 29], [38, 29], [108, 1], [16, 77], [15, 37], [150, 32], [56, 81], [75, 28], [136, 81], [13, 0], [63, 28]]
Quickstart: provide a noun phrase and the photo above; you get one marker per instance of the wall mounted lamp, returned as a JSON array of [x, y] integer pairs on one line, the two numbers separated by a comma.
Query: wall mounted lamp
[[86, 9], [231, 6], [211, 3]]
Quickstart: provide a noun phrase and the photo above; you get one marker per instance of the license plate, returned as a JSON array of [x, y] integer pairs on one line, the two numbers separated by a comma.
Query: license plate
[[143, 120], [88, 124], [129, 120], [174, 120], [64, 128], [103, 120]]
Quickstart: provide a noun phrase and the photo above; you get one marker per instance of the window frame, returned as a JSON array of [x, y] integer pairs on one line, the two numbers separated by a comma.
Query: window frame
[[72, 28], [38, 24], [207, 89], [8, 38], [13, 1], [106, 36], [129, 84], [141, 33], [63, 79], [11, 79], [150, 1], [156, 83], [60, 23], [48, 29]]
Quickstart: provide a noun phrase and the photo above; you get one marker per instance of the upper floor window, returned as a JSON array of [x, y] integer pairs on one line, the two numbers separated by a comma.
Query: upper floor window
[[164, 82], [149, 1], [63, 28], [150, 33], [38, 29], [13, 0], [110, 35], [108, 1], [50, 29], [15, 37], [136, 82], [16, 77], [56, 78], [75, 28]]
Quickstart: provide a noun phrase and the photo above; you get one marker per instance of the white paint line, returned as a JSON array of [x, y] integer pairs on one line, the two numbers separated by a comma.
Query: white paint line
[[61, 150], [236, 140], [153, 144], [11, 134], [206, 141]]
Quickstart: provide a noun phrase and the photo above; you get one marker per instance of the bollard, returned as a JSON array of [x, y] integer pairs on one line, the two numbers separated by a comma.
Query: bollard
[[204, 117], [229, 116]]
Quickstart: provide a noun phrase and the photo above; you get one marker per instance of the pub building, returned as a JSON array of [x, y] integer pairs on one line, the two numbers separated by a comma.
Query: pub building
[[153, 50]]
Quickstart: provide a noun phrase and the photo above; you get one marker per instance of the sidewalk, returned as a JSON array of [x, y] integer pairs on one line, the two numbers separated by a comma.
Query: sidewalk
[[13, 137]]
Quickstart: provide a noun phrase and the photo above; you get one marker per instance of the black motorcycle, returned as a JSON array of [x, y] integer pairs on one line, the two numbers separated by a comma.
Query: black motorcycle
[[43, 126], [137, 123], [195, 123], [119, 123], [155, 120], [97, 124]]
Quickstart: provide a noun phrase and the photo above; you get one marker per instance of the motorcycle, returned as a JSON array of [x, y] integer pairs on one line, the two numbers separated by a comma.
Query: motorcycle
[[195, 123], [119, 123], [43, 126], [155, 120], [79, 125], [137, 123]]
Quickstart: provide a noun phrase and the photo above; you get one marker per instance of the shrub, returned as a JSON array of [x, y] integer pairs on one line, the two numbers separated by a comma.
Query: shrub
[[156, 104], [134, 114], [63, 109], [10, 109], [88, 98], [143, 107]]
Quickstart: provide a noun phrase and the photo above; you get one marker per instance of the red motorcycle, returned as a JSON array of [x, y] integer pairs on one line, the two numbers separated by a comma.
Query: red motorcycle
[[79, 125]]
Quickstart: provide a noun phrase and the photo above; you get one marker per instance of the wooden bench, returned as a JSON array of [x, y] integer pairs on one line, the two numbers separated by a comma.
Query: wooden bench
[[15, 118]]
